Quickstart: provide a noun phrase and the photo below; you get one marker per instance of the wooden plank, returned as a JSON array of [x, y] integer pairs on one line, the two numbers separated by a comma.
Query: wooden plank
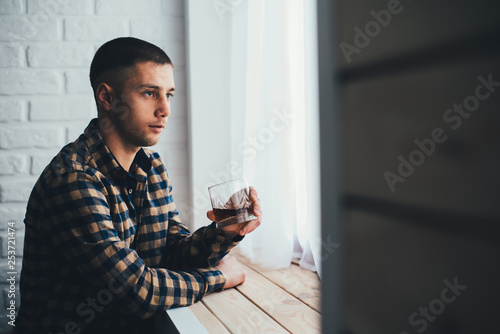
[[184, 321], [208, 319], [286, 309], [238, 314], [301, 283]]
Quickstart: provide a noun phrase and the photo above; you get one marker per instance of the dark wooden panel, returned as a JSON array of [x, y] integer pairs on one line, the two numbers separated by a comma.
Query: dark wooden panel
[[392, 269], [383, 117], [412, 26], [400, 246]]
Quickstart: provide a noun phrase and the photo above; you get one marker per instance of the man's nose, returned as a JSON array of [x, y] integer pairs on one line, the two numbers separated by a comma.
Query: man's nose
[[163, 107]]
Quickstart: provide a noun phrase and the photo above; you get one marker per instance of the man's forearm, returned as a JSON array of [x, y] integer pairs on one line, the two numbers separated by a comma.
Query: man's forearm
[[204, 248]]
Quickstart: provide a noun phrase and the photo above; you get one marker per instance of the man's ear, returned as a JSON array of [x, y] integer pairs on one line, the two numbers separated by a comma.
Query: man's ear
[[104, 96]]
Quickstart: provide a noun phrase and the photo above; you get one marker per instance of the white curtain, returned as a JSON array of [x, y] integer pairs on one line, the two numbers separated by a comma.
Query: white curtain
[[275, 139]]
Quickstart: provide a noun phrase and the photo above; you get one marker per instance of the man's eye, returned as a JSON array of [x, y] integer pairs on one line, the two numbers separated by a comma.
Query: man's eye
[[169, 96], [149, 93]]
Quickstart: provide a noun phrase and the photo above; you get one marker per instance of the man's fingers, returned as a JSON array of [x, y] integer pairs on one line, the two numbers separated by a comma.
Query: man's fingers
[[256, 201], [210, 215], [242, 229], [250, 226], [253, 194], [257, 210]]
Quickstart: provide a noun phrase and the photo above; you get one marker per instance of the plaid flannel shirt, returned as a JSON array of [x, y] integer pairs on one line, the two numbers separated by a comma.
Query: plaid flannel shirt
[[105, 247]]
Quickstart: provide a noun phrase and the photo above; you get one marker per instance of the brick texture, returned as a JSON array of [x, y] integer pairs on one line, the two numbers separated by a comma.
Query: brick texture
[[164, 8], [12, 7], [17, 137], [39, 161], [122, 7], [12, 111], [94, 29], [61, 7], [15, 191], [13, 164], [46, 47], [173, 29], [60, 55], [62, 108], [77, 82], [30, 28], [12, 55], [15, 213], [27, 82]]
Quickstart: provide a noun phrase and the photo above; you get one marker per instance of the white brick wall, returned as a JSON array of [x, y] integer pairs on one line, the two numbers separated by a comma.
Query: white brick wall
[[61, 7], [12, 7], [30, 81], [12, 55], [46, 47], [53, 55], [13, 164], [12, 111]]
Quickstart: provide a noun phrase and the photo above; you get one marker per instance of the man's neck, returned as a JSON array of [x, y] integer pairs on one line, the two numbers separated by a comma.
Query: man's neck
[[124, 154]]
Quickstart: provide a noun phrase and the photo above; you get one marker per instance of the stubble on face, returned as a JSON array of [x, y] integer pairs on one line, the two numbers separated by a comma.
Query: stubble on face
[[121, 116], [129, 134]]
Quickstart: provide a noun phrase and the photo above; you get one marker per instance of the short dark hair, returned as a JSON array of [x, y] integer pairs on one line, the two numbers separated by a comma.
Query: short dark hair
[[121, 53]]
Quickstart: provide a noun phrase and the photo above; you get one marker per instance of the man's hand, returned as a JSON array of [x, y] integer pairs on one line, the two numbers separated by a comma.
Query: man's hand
[[243, 228], [233, 271]]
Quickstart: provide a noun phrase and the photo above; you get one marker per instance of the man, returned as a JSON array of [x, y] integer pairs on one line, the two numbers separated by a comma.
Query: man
[[105, 250]]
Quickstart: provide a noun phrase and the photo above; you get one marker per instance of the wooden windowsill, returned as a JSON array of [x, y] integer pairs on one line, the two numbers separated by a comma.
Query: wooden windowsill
[[284, 300]]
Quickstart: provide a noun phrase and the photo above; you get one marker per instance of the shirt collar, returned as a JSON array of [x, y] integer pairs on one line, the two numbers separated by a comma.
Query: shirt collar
[[142, 160], [102, 155]]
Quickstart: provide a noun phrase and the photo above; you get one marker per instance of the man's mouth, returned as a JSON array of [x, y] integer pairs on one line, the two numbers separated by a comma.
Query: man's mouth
[[157, 127]]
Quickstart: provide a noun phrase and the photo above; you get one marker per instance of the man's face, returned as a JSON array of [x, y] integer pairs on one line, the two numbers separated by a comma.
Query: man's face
[[141, 111]]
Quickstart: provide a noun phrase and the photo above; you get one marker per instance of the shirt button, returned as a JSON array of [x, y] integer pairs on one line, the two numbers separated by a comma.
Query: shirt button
[[130, 191]]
